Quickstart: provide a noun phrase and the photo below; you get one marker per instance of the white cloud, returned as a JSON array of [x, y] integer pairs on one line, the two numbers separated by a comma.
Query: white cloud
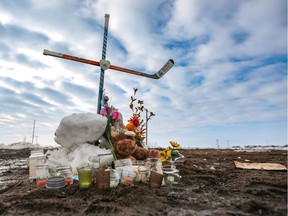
[[230, 66]]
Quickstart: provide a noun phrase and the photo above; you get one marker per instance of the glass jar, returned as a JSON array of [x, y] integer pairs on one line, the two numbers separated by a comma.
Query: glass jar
[[155, 164], [36, 158], [66, 172], [114, 178], [155, 179], [84, 176], [103, 179], [41, 174], [123, 164], [94, 164], [143, 174], [52, 165], [128, 177], [171, 176]]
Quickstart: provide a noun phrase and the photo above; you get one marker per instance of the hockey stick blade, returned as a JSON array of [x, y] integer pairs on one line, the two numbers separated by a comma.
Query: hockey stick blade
[[169, 64]]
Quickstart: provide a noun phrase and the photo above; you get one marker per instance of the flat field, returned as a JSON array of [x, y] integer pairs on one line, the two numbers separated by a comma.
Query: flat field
[[210, 185]]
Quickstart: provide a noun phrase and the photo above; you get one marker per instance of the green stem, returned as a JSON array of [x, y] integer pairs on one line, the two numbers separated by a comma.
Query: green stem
[[112, 150]]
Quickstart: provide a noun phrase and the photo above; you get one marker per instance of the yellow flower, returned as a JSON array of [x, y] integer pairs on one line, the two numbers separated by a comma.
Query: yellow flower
[[174, 144], [169, 152], [163, 159]]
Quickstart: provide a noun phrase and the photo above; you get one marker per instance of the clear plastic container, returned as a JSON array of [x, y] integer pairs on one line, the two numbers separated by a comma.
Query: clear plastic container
[[36, 158]]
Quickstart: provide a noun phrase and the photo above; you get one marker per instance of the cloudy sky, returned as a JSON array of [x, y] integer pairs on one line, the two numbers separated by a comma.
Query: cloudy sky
[[229, 81]]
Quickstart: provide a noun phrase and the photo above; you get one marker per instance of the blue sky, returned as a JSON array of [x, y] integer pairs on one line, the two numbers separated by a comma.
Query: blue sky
[[229, 81]]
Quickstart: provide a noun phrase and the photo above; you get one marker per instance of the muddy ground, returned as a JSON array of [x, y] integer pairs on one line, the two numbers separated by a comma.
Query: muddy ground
[[210, 185]]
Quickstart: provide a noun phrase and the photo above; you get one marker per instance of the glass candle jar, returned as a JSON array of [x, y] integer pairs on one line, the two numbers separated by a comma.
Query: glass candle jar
[[52, 165], [103, 179], [94, 163], [41, 174], [84, 176], [155, 164], [155, 179], [114, 178], [123, 164], [66, 172], [128, 177], [143, 174], [171, 176]]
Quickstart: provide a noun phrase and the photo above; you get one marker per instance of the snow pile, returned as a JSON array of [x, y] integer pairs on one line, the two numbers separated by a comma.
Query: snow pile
[[78, 156], [80, 128], [74, 134]]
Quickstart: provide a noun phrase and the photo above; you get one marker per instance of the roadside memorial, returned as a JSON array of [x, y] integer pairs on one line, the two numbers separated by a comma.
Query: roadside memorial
[[86, 135], [123, 159]]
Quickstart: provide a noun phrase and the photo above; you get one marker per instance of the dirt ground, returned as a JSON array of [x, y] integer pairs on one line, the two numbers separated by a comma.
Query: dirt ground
[[210, 185]]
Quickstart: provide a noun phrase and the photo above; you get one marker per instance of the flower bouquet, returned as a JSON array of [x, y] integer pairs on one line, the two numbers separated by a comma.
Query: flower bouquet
[[170, 154], [135, 123]]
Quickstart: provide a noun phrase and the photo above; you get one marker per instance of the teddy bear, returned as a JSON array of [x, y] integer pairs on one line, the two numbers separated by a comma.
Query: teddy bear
[[125, 147]]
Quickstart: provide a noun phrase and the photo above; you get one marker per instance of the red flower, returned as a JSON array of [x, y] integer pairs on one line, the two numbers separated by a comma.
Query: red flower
[[135, 120]]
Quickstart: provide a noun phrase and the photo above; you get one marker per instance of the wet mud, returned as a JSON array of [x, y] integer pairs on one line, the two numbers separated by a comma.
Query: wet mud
[[210, 185]]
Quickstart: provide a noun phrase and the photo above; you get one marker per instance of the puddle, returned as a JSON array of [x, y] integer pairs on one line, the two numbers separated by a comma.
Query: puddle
[[10, 165]]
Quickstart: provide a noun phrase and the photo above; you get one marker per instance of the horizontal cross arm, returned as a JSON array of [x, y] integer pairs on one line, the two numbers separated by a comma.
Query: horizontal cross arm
[[69, 57], [166, 67]]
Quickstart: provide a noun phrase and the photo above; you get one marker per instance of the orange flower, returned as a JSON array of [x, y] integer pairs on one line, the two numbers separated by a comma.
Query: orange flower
[[130, 127], [174, 144]]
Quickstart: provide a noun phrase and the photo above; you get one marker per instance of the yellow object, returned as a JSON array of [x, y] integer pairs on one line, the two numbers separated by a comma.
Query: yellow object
[[174, 144]]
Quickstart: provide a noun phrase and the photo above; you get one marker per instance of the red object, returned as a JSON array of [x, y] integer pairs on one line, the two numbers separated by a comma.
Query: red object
[[41, 183], [128, 180], [135, 120], [68, 181]]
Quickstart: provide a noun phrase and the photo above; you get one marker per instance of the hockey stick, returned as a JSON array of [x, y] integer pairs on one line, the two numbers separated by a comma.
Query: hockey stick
[[169, 64]]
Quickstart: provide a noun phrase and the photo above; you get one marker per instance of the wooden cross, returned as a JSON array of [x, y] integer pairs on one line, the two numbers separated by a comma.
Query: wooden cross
[[105, 64]]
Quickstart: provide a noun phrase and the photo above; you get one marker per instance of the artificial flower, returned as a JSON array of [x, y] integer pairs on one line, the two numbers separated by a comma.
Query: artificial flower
[[115, 115], [135, 120], [170, 154], [174, 144], [130, 127], [135, 123]]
